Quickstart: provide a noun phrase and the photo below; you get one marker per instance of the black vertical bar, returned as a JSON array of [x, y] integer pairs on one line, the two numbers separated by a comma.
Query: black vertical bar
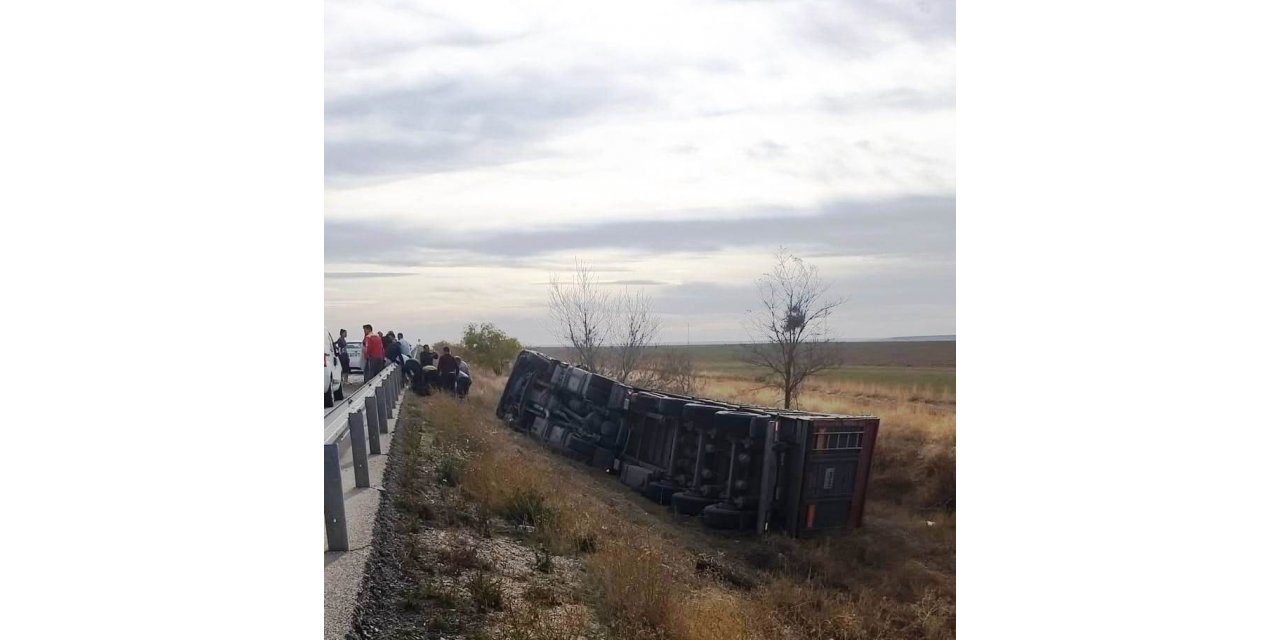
[[359, 448], [371, 412], [335, 513]]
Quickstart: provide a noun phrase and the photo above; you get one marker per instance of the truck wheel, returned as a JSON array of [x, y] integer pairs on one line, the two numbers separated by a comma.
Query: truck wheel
[[602, 458], [660, 492], [690, 504], [578, 444], [671, 406], [724, 516], [738, 422], [645, 402]]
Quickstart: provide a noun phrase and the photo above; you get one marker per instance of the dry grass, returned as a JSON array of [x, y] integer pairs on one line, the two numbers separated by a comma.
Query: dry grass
[[894, 578]]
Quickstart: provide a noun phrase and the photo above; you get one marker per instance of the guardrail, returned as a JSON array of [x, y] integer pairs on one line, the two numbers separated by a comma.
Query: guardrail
[[362, 419]]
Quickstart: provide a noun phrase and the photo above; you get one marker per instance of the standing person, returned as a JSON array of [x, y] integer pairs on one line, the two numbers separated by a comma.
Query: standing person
[[343, 356], [392, 348], [386, 345], [448, 369], [405, 348], [374, 354]]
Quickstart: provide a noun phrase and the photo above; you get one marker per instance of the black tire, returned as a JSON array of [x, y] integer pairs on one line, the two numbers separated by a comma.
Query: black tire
[[738, 422], [602, 458], [578, 444], [337, 393], [698, 411], [724, 516], [690, 504], [671, 406], [328, 398], [660, 492], [645, 402]]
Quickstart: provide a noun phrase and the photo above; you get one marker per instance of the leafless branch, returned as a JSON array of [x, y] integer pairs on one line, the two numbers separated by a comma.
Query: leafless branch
[[791, 342]]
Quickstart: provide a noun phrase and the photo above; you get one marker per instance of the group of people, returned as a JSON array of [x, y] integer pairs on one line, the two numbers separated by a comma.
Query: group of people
[[424, 369], [440, 371]]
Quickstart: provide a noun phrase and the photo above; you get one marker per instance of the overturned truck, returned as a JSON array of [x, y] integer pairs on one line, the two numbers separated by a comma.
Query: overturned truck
[[735, 467]]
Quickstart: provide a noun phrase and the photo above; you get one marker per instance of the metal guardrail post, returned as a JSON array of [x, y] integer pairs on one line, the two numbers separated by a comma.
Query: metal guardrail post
[[359, 448], [371, 410], [383, 414], [386, 397], [335, 513]]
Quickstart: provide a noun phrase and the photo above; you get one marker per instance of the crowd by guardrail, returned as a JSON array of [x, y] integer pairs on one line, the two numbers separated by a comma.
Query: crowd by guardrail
[[359, 420]]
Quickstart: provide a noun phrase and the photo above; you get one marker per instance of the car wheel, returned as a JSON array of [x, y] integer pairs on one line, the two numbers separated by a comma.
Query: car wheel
[[337, 393], [690, 504], [328, 399], [723, 516]]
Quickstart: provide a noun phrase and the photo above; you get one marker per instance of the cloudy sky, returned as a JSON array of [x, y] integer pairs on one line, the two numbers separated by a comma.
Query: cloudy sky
[[473, 149]]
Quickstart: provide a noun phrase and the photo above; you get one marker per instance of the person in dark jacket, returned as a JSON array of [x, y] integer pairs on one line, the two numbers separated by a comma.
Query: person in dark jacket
[[416, 376], [448, 368], [343, 356], [392, 348]]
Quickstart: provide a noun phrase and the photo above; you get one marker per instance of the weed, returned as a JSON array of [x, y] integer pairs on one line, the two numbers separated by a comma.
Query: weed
[[428, 592], [528, 507], [542, 561], [449, 470], [461, 556], [585, 542], [486, 592]]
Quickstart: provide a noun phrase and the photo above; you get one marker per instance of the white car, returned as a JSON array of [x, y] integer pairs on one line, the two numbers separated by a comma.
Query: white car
[[332, 372], [355, 355]]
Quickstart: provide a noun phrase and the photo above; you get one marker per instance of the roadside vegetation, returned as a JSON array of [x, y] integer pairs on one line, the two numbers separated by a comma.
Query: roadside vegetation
[[509, 540]]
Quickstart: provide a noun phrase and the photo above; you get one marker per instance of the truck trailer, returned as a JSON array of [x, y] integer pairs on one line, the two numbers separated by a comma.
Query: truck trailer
[[735, 467]]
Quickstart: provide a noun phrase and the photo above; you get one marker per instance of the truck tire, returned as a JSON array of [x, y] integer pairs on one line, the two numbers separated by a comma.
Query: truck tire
[[645, 402], [726, 516], [671, 406], [738, 422], [580, 445], [690, 504], [700, 412], [660, 492]]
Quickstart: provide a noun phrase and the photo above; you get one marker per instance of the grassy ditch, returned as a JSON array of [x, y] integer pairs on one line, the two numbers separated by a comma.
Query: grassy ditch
[[504, 539]]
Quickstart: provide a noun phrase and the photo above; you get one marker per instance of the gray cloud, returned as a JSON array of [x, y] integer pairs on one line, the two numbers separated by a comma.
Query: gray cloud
[[352, 275], [901, 227], [453, 123], [843, 26]]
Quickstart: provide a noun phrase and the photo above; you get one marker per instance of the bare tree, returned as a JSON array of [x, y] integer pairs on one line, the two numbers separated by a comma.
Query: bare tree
[[636, 329], [673, 371], [610, 332], [791, 340], [580, 309]]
